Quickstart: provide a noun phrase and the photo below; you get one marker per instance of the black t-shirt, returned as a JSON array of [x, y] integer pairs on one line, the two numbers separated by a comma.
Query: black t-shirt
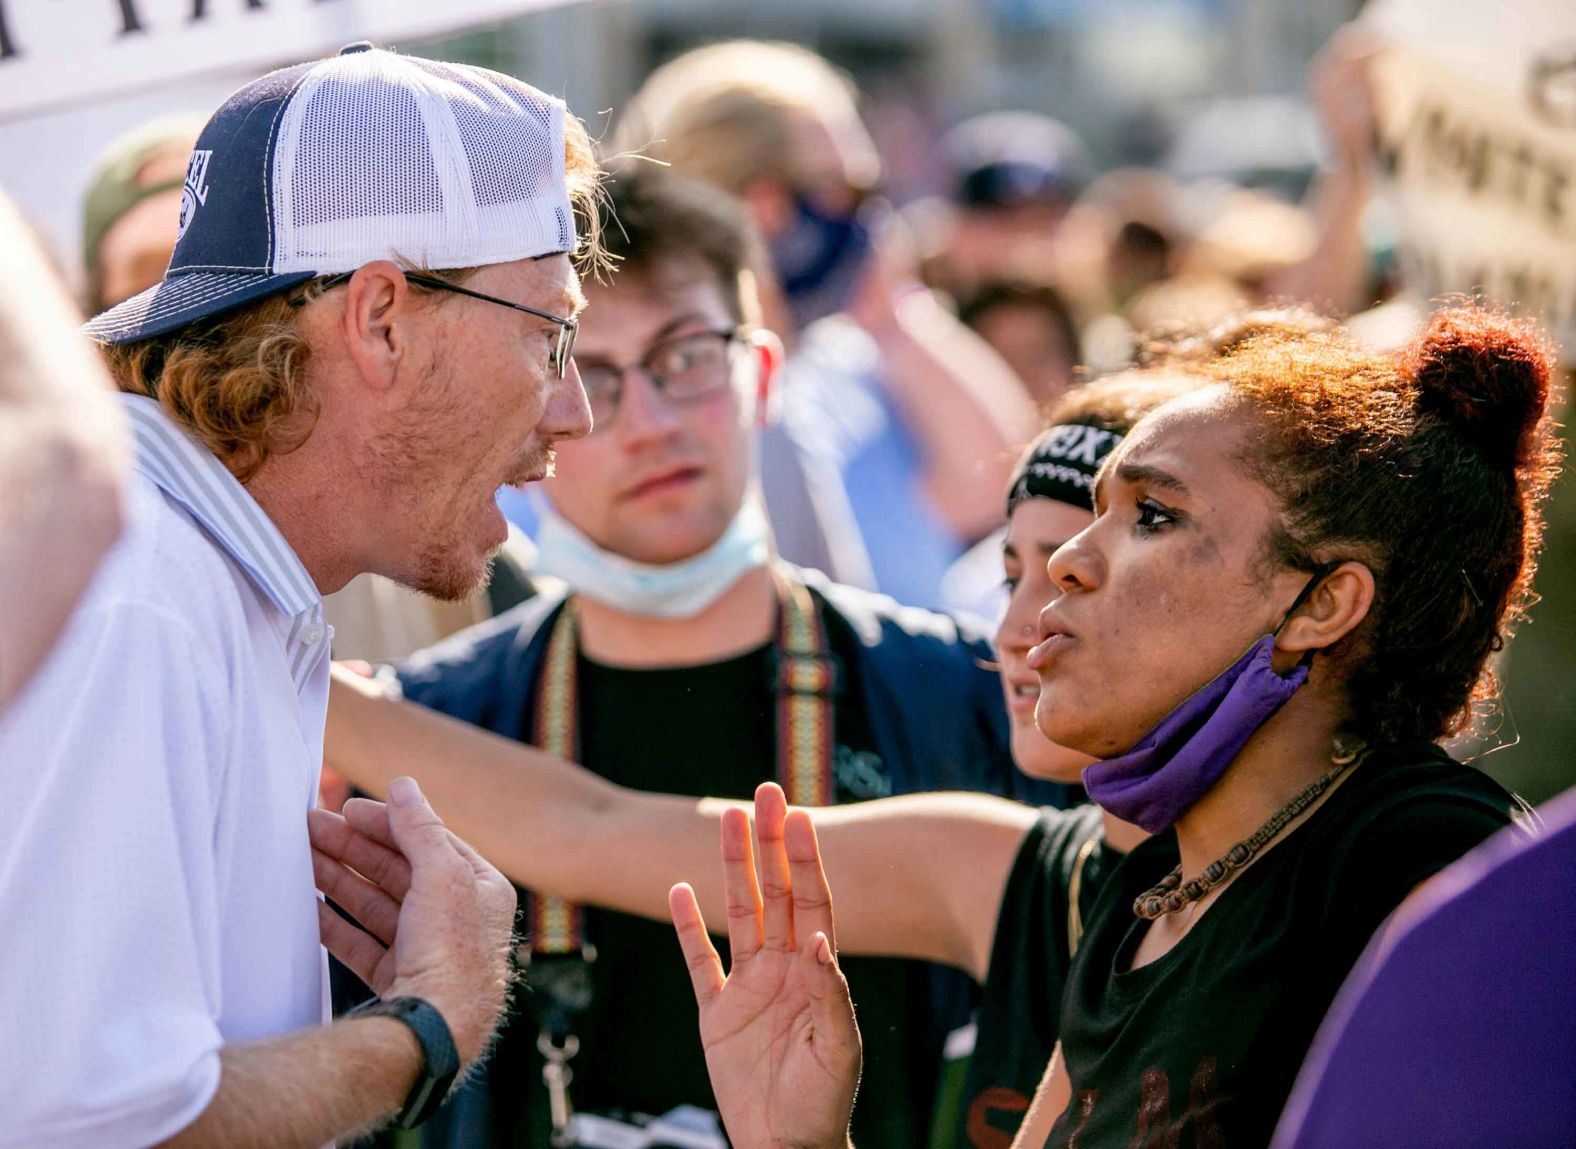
[[1021, 1004], [1200, 1047], [705, 730]]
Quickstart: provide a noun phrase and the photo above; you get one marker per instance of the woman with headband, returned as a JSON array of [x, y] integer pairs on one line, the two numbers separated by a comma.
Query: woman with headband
[[932, 868], [1350, 537]]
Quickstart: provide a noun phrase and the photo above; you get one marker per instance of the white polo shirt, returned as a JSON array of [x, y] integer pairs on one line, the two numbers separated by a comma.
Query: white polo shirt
[[156, 892]]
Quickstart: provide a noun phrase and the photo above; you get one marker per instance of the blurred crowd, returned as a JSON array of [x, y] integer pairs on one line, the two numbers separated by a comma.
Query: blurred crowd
[[923, 338]]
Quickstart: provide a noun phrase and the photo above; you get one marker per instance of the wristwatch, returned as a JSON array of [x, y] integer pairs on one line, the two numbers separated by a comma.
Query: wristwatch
[[440, 1060]]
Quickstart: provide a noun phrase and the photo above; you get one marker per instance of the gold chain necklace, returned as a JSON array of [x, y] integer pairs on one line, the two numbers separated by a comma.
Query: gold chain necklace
[[1173, 894]]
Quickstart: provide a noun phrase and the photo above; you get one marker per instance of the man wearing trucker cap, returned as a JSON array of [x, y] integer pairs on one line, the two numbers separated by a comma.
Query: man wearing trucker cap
[[364, 330]]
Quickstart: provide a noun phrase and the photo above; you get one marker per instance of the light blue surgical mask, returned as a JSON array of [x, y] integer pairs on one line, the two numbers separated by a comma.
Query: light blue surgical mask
[[671, 590]]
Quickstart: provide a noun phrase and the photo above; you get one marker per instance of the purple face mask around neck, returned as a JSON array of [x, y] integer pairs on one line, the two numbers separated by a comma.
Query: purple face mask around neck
[[1177, 762]]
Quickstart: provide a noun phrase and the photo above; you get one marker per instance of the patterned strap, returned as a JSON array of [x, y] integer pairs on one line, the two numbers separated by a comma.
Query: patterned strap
[[807, 684], [557, 926], [806, 692]]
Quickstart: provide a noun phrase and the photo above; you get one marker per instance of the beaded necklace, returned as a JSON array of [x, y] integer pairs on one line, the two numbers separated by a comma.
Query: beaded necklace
[[1173, 894]]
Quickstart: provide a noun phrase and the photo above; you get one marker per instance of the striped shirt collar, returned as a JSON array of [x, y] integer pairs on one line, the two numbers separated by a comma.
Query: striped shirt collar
[[189, 473]]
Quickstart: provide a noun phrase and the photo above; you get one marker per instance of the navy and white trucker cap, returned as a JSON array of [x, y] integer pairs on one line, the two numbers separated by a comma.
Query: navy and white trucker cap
[[319, 168]]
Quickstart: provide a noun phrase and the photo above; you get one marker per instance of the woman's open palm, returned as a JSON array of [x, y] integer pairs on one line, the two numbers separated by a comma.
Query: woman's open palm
[[781, 1044]]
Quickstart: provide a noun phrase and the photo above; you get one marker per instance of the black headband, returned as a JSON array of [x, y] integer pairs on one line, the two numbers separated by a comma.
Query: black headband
[[1061, 465]]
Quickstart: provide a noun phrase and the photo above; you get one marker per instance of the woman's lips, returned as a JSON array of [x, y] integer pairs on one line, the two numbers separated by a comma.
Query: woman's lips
[[1049, 648]]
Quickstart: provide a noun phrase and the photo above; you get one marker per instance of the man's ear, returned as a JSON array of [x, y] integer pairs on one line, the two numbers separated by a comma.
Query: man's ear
[[1334, 608], [377, 301], [767, 354]]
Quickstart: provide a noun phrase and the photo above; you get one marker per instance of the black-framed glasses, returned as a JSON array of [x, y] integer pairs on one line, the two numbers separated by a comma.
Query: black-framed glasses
[[563, 350], [683, 369]]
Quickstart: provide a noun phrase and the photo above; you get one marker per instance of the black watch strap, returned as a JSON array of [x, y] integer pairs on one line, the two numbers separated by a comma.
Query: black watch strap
[[440, 1060]]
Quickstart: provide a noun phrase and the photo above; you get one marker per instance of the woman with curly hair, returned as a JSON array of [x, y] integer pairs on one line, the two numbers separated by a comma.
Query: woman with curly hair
[[1289, 596]]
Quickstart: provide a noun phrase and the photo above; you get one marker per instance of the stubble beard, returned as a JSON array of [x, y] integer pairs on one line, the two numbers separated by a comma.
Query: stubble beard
[[441, 576]]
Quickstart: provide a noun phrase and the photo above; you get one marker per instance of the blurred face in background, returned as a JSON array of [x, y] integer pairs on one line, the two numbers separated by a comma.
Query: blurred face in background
[[1037, 528], [1034, 344], [137, 247], [989, 243], [661, 477]]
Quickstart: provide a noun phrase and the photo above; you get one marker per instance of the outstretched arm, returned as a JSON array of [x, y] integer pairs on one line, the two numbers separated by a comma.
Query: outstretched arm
[[557, 828]]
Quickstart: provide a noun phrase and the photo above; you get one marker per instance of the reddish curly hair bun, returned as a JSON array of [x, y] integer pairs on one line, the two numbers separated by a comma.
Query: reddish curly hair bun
[[1488, 374], [1431, 468]]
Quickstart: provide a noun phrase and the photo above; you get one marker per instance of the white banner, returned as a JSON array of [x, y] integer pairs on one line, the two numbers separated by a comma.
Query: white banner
[[1485, 192], [1477, 117], [59, 53]]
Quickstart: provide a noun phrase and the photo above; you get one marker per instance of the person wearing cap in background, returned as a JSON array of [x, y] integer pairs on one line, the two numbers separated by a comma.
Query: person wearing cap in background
[[887, 394], [131, 212], [345, 359], [1014, 175]]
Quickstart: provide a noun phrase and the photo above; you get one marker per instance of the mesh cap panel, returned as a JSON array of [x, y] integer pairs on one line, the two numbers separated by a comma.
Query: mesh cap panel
[[381, 156]]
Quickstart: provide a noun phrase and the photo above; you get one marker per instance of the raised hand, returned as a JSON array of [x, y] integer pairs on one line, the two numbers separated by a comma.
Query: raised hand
[[436, 919], [1341, 84], [781, 1044]]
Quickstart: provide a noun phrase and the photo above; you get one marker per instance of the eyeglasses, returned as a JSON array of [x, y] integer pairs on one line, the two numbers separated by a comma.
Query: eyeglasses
[[563, 350], [683, 369]]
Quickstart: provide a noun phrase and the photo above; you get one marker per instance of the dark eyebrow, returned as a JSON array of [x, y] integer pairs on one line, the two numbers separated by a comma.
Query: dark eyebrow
[[1137, 474], [674, 324], [657, 337]]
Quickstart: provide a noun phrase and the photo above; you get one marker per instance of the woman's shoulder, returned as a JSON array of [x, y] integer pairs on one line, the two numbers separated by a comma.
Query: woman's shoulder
[[1056, 840], [1073, 826], [1037, 884], [1417, 784], [1031, 927], [1406, 813]]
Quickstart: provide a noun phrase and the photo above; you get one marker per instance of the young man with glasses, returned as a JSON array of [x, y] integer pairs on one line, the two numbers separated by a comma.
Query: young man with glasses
[[888, 398], [685, 659], [305, 407]]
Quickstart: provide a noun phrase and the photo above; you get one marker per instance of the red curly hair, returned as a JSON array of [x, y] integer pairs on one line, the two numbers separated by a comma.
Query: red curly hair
[[1431, 468]]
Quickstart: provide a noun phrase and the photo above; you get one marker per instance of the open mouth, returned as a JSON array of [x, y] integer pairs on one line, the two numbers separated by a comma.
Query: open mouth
[[532, 471], [522, 480], [1023, 695]]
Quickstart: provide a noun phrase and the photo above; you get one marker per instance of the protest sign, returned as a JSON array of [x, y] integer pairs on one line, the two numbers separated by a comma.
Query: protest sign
[[1480, 149]]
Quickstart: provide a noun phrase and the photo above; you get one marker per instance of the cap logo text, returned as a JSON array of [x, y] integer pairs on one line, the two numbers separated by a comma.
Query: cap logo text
[[195, 193]]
